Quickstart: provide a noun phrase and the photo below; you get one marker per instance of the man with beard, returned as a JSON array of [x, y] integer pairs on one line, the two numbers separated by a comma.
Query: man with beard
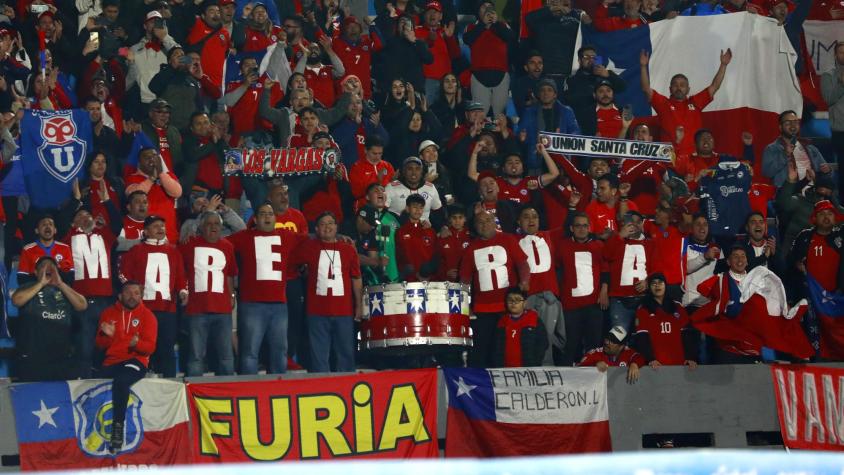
[[548, 115], [681, 111], [789, 147], [582, 88], [184, 85], [43, 332], [162, 133], [211, 41], [128, 334], [691, 167], [411, 182], [503, 211], [758, 246], [321, 77], [609, 122], [92, 251], [259, 32], [699, 259], [162, 188], [242, 97], [158, 266], [355, 52], [524, 90], [45, 245], [609, 205], [585, 183]]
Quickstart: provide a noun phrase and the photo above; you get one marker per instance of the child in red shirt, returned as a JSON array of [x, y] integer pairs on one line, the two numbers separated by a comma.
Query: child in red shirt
[[520, 337]]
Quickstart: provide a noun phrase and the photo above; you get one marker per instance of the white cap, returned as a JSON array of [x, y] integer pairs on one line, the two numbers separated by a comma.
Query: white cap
[[153, 14], [619, 333], [427, 143]]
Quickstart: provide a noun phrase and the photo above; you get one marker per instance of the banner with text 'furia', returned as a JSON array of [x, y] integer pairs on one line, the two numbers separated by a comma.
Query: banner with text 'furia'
[[526, 411], [389, 414], [810, 406]]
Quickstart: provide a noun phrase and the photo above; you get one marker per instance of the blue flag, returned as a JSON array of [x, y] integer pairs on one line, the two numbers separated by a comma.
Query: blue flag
[[54, 146], [140, 142]]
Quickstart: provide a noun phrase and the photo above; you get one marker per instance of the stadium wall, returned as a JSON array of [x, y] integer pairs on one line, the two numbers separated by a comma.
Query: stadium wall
[[729, 406]]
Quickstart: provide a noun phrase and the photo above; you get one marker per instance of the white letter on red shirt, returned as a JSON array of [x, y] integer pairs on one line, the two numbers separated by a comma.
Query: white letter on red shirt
[[491, 263], [330, 274], [208, 265], [90, 255], [265, 258], [633, 264], [157, 276], [583, 274], [539, 255]]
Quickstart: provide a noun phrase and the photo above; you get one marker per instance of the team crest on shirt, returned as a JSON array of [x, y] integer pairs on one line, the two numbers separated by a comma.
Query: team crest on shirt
[[222, 37], [59, 257], [523, 191], [135, 322], [465, 245], [691, 107], [366, 48]]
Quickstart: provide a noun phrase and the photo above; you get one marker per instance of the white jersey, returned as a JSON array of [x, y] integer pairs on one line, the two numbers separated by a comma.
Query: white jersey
[[397, 193]]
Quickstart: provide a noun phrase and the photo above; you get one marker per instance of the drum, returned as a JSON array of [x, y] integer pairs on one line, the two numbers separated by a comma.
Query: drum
[[416, 317]]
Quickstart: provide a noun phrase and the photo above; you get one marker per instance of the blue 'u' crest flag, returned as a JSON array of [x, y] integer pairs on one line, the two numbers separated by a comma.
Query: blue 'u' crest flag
[[54, 146]]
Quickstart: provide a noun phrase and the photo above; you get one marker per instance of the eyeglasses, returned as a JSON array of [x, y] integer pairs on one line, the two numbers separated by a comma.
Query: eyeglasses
[[515, 300]]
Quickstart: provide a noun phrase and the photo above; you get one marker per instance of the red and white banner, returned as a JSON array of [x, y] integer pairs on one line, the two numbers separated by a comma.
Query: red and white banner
[[810, 406], [389, 414]]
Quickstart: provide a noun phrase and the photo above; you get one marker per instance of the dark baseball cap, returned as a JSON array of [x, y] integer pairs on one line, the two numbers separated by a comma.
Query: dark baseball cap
[[369, 214], [159, 105]]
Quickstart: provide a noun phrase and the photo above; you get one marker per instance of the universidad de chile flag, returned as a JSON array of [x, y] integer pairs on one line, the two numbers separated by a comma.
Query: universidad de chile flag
[[829, 308], [54, 147], [63, 425], [526, 411], [760, 82]]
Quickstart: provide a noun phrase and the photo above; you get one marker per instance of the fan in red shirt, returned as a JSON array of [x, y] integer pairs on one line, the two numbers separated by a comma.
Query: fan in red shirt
[[162, 189], [97, 200], [610, 123], [520, 339], [615, 353], [667, 256], [127, 333], [585, 183], [137, 210], [491, 264], [451, 248], [263, 255], [260, 32], [369, 169], [334, 292], [214, 41], [679, 111], [691, 167], [442, 43], [514, 186], [45, 245], [91, 249], [632, 18], [544, 295], [584, 289], [210, 262], [286, 217], [158, 265], [416, 245], [321, 77], [609, 203], [242, 98], [355, 51], [629, 255], [664, 335]]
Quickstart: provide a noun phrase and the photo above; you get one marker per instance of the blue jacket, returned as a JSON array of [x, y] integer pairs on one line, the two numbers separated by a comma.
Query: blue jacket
[[529, 122], [345, 136]]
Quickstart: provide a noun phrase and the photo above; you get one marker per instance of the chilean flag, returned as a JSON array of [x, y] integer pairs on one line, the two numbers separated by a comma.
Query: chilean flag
[[829, 307], [753, 313], [63, 425], [760, 82], [526, 411]]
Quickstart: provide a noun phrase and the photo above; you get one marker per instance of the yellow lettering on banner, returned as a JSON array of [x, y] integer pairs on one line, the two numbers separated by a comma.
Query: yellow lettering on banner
[[250, 437], [364, 436], [404, 418], [209, 428], [322, 415]]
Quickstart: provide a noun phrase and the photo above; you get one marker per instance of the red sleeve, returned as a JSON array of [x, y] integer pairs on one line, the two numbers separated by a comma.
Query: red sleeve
[[352, 256], [637, 358], [641, 313], [27, 263], [702, 99], [231, 269], [147, 335], [604, 22], [578, 179], [590, 359], [466, 269], [709, 288], [180, 279], [209, 88], [129, 263], [453, 46], [376, 44], [659, 103]]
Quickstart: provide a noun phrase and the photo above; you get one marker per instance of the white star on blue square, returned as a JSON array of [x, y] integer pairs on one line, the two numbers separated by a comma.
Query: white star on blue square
[[416, 301], [455, 301], [376, 303]]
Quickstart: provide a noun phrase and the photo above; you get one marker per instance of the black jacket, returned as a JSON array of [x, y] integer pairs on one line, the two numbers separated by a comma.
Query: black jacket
[[554, 38], [579, 95], [534, 342]]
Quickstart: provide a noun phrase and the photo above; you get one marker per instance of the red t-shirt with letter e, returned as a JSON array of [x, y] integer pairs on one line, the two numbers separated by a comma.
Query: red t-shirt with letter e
[[262, 258], [208, 265], [490, 265], [331, 268]]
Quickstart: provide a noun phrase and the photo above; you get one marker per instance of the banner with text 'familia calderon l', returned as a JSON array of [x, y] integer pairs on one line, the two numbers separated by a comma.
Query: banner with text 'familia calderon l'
[[389, 414], [810, 406]]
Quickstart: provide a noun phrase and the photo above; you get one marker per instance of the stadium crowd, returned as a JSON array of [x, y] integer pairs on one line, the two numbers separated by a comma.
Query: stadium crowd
[[594, 261]]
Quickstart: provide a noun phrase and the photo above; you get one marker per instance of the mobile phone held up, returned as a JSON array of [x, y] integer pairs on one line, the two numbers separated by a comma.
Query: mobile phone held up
[[38, 9]]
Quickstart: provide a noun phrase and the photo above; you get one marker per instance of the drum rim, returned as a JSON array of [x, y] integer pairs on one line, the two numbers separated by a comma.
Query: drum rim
[[423, 341]]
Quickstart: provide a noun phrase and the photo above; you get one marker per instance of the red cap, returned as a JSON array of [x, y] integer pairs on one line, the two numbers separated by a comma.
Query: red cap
[[350, 20], [46, 13], [487, 174], [434, 6], [824, 205], [226, 2]]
